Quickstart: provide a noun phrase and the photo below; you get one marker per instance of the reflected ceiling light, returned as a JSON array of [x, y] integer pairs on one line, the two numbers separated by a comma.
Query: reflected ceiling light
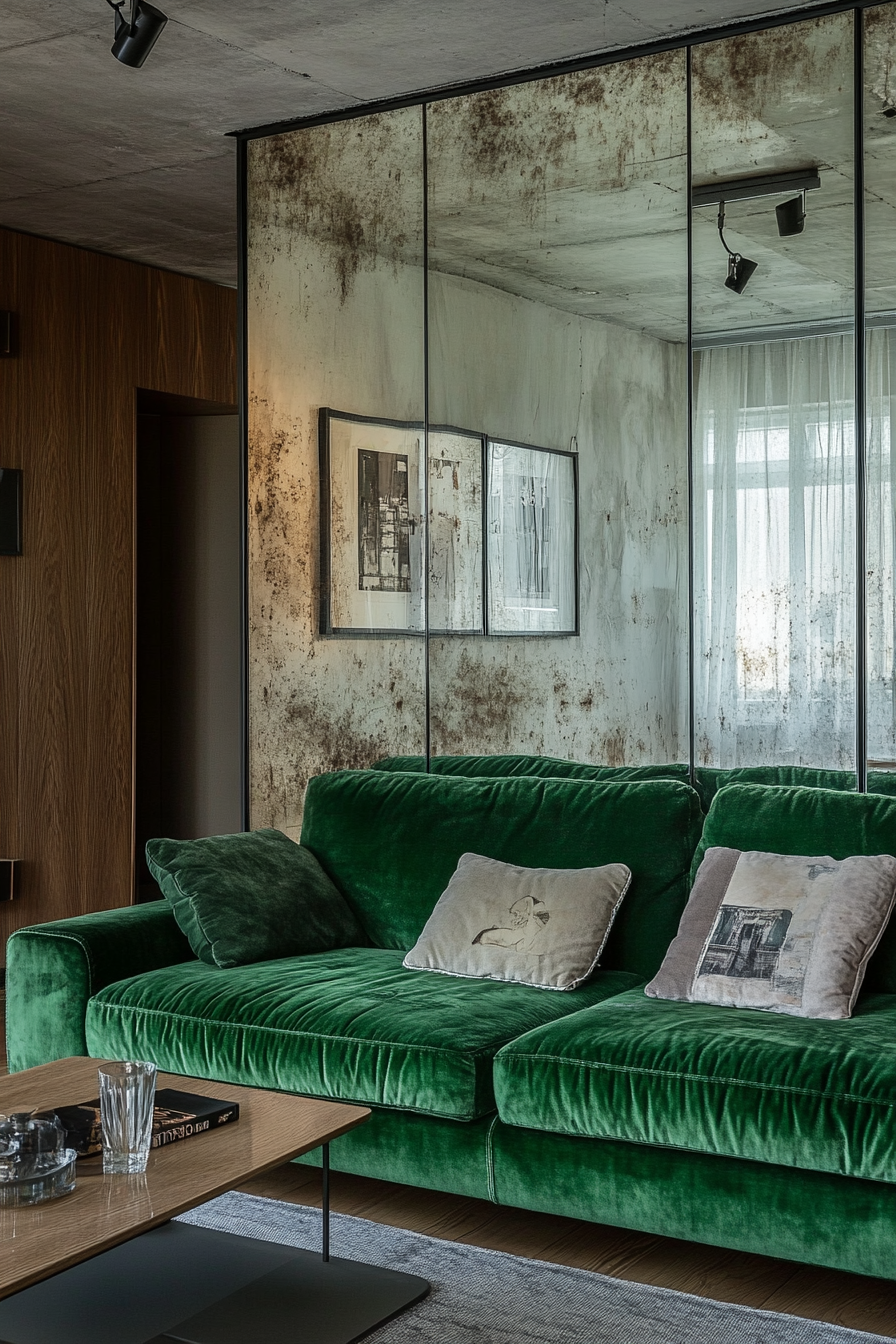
[[791, 216], [134, 40], [739, 268], [752, 188], [739, 271]]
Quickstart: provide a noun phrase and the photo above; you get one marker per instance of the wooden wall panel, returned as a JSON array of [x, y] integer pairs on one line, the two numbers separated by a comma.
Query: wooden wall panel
[[92, 329]]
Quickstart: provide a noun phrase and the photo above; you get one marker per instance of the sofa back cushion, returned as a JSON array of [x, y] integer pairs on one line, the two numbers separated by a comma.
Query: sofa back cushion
[[391, 842], [506, 766], [809, 821], [710, 780]]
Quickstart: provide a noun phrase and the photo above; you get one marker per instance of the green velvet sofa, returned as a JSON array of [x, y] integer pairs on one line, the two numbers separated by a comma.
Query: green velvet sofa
[[740, 1129]]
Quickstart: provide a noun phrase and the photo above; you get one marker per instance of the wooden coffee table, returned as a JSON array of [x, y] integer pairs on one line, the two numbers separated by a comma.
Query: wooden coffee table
[[89, 1268]]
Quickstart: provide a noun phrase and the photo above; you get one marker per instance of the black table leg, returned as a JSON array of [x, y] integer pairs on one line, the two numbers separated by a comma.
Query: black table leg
[[325, 1202]]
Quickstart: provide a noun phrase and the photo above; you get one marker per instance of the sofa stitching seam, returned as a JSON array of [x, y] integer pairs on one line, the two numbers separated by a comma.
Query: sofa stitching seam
[[701, 1078], [490, 1161]]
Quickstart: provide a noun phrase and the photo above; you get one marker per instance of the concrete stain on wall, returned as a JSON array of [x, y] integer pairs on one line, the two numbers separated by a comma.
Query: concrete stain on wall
[[317, 184]]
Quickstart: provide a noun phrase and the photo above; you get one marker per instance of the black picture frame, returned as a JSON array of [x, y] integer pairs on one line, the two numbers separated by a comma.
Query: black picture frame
[[377, 591], [455, 500], [342, 437], [558, 591]]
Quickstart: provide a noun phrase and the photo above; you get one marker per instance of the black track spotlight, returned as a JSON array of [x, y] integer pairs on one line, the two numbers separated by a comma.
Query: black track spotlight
[[739, 271], [135, 40], [791, 216], [739, 268]]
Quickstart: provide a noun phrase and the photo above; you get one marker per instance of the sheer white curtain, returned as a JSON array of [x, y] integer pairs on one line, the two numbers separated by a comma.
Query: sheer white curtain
[[881, 546], [775, 579]]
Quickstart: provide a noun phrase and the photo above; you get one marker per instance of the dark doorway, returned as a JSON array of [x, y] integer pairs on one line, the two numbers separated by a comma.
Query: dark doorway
[[188, 710]]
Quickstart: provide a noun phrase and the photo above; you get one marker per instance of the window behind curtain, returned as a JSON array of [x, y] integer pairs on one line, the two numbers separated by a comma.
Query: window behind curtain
[[775, 546]]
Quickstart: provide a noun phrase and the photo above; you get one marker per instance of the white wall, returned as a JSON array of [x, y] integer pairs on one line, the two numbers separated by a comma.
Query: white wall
[[203, 735]]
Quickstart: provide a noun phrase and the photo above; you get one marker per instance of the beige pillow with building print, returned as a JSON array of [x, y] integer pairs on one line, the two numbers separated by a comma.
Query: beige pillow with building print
[[544, 927], [787, 933]]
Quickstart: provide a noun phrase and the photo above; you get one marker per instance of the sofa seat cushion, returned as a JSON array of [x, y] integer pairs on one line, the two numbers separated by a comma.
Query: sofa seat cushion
[[798, 1092], [352, 1025]]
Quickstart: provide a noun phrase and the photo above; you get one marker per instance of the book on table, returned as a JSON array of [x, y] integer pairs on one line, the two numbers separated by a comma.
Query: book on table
[[177, 1115]]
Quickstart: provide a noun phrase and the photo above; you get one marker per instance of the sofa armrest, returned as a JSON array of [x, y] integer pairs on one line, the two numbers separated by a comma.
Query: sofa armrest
[[53, 969]]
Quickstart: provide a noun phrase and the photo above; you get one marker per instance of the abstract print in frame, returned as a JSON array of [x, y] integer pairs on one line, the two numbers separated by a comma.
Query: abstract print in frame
[[371, 526], [372, 535], [531, 540]]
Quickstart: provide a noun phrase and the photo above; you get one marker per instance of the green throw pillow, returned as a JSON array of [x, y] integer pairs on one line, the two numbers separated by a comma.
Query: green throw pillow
[[251, 897]]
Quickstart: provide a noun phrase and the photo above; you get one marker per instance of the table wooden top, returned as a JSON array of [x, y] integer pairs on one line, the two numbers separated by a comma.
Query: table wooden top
[[103, 1211]]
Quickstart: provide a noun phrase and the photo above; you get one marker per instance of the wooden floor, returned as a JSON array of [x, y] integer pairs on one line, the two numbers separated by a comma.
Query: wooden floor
[[728, 1276]]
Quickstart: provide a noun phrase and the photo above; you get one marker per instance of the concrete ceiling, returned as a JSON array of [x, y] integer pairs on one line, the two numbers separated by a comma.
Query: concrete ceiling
[[135, 163], [573, 191]]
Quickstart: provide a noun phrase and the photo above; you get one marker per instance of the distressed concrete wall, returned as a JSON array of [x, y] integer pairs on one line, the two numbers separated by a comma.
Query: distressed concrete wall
[[336, 319]]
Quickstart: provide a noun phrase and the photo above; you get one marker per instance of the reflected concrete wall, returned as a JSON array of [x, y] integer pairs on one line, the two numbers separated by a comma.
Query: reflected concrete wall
[[335, 319], [616, 693]]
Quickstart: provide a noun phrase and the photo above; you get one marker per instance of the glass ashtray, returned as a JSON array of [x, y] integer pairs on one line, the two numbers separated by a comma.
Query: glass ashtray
[[38, 1186]]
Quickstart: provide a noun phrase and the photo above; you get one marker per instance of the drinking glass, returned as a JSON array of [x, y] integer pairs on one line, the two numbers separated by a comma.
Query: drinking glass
[[127, 1094]]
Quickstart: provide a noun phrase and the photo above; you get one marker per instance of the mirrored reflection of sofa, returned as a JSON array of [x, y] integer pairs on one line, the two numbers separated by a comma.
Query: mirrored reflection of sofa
[[707, 779], [743, 1129]]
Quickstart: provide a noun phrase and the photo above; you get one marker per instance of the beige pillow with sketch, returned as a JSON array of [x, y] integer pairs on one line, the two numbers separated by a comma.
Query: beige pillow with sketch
[[544, 927], [784, 932]]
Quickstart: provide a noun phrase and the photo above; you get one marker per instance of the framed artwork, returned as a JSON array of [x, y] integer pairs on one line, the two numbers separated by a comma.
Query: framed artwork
[[503, 532], [371, 525], [531, 540], [456, 528]]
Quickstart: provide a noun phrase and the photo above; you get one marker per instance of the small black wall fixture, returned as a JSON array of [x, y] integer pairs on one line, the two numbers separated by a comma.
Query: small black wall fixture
[[10, 511], [7, 332], [135, 40], [8, 879]]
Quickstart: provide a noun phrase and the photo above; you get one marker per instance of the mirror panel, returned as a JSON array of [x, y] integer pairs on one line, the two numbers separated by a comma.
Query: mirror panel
[[774, 402], [557, 247], [518, 557], [880, 338], [336, 442]]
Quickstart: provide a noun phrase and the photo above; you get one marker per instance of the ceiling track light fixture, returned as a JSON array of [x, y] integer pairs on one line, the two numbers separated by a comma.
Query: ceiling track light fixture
[[790, 215], [739, 268], [134, 40]]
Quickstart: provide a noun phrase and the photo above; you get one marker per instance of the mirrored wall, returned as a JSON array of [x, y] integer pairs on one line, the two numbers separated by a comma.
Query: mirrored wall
[[336, 317], [554, 384], [879, 139], [774, 407], [557, 247]]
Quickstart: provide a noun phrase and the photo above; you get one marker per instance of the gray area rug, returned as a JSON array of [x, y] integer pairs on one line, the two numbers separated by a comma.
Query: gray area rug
[[487, 1297]]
